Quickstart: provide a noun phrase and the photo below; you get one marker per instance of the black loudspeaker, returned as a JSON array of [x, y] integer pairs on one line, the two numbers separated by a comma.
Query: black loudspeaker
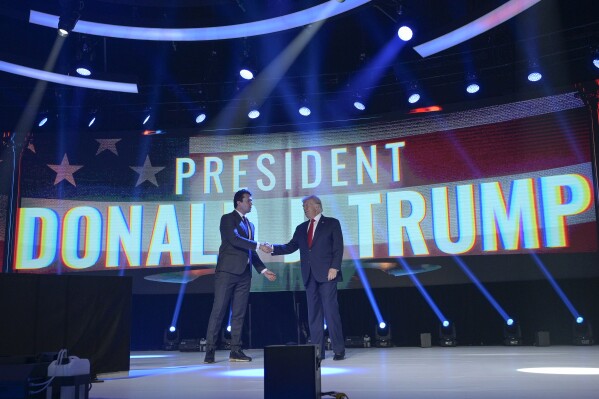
[[292, 372], [189, 345], [542, 338], [425, 340]]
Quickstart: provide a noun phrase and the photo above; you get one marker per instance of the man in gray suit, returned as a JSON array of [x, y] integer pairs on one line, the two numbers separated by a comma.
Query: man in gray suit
[[320, 243], [233, 276]]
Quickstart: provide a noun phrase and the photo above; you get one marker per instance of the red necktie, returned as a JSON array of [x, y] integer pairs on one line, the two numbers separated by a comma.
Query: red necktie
[[310, 233]]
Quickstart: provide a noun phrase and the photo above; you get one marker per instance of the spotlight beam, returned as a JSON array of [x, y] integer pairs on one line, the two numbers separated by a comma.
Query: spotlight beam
[[305, 17], [368, 290], [476, 27], [265, 82], [481, 287], [422, 290], [20, 137], [179, 301], [555, 286]]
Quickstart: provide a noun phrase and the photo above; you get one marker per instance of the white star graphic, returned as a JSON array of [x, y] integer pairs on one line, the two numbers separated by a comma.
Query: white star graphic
[[147, 172], [31, 147], [65, 171], [107, 144]]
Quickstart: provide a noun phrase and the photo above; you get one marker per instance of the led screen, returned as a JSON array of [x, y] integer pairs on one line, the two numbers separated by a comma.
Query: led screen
[[495, 182]]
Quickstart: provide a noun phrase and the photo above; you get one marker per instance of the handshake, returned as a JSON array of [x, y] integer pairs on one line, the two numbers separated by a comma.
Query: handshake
[[266, 247]]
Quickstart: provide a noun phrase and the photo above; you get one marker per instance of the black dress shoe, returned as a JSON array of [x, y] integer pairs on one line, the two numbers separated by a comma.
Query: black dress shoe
[[339, 356], [209, 358], [239, 356]]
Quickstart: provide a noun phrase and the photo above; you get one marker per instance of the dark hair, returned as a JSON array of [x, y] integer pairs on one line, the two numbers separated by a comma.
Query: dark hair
[[239, 196]]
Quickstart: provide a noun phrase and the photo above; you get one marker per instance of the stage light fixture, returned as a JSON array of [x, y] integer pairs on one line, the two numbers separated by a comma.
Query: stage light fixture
[[92, 118], [84, 56], [200, 117], [171, 339], [254, 113], [473, 88], [382, 336], [512, 334], [246, 73], [472, 85], [582, 332], [146, 116], [359, 103], [414, 98], [595, 57], [83, 70], [534, 72], [247, 68], [43, 119], [413, 93], [304, 107], [447, 335], [69, 15], [405, 33]]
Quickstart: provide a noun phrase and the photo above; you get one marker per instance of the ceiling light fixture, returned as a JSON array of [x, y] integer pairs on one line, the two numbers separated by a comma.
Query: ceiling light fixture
[[534, 72], [472, 85]]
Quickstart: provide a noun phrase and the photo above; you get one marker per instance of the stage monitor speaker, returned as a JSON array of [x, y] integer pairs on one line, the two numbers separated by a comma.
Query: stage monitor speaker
[[189, 345], [425, 340], [355, 342], [542, 338], [292, 372]]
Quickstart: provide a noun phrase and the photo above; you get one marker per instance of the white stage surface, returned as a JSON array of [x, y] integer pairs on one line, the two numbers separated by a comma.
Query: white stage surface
[[484, 372]]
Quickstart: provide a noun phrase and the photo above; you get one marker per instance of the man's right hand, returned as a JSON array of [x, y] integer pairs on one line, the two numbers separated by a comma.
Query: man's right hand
[[266, 247]]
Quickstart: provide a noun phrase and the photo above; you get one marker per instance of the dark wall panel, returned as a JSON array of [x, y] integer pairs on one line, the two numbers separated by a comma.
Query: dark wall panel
[[90, 316], [534, 304]]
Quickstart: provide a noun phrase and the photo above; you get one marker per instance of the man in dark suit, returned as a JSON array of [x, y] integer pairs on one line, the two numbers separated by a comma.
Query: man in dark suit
[[320, 242], [233, 276]]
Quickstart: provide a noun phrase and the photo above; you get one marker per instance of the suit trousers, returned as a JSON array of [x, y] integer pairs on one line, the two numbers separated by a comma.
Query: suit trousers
[[229, 288], [322, 304]]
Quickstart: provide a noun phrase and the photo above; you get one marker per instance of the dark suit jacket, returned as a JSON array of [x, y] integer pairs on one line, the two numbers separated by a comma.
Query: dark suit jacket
[[236, 248], [326, 251]]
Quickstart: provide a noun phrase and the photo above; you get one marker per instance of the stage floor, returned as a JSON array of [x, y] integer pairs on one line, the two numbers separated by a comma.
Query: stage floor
[[485, 372]]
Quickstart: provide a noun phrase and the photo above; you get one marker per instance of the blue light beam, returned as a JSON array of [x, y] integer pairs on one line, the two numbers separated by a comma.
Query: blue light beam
[[481, 288], [368, 290], [422, 290], [179, 302], [555, 286]]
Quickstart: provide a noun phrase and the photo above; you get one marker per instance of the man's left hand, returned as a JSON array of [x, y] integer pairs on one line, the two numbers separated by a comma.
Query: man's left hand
[[332, 274]]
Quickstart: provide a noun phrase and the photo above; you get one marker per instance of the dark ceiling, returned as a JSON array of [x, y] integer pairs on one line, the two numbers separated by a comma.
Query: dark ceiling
[[357, 51]]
